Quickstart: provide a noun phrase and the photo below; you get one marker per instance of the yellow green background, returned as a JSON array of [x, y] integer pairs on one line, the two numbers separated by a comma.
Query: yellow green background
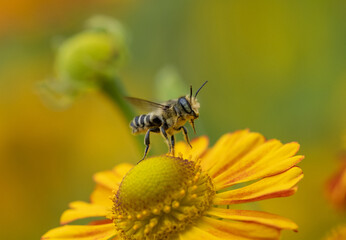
[[276, 67]]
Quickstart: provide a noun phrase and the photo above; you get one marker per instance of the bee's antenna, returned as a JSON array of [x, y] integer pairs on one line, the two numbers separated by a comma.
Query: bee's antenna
[[200, 88], [190, 93]]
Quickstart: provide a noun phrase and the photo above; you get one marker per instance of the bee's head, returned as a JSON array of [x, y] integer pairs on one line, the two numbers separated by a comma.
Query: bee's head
[[191, 106]]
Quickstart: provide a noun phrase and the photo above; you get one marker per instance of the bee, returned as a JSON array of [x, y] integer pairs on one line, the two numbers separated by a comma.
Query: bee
[[166, 118]]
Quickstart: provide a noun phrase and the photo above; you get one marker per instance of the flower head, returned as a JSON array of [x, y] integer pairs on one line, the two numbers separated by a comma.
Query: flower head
[[185, 197]]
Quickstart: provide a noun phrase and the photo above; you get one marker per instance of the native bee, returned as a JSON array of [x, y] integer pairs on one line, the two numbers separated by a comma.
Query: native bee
[[166, 118]]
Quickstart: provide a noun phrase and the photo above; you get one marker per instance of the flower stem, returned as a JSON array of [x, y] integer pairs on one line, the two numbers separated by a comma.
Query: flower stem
[[115, 91]]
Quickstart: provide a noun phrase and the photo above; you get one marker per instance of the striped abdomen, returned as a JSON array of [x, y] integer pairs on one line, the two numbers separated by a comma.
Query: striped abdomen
[[143, 122]]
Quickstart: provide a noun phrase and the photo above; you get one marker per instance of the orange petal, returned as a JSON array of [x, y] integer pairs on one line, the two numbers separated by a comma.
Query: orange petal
[[237, 230], [336, 187], [270, 158], [199, 146], [229, 150], [268, 219], [102, 196], [281, 185], [88, 232], [195, 233], [81, 210], [100, 222]]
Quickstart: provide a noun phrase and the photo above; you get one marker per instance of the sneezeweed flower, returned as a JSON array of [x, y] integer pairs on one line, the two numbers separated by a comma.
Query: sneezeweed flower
[[185, 197], [339, 233]]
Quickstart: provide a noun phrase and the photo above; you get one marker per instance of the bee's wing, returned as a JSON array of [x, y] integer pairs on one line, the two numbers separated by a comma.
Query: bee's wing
[[145, 104]]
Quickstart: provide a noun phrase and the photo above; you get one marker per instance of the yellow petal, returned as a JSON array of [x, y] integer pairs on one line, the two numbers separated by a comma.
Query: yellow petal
[[199, 146], [281, 185], [88, 232], [229, 150], [102, 196], [253, 216], [195, 233], [107, 183], [270, 158], [81, 210], [107, 179], [238, 230], [216, 152], [112, 179], [121, 169]]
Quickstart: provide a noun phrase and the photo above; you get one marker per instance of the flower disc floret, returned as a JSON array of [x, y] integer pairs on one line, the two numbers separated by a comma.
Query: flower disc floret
[[160, 196]]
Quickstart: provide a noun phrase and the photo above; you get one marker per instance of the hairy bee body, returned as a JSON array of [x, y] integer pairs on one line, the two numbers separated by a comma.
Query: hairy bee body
[[167, 118], [142, 123]]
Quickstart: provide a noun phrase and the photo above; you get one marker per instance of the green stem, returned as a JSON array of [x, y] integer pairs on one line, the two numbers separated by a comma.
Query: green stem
[[115, 91]]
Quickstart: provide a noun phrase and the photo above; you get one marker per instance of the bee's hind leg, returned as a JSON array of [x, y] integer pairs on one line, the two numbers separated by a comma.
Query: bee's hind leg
[[172, 145], [164, 134], [147, 141], [186, 136]]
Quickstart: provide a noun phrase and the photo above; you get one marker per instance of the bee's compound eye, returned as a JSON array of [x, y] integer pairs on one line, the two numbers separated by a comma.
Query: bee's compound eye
[[185, 105]]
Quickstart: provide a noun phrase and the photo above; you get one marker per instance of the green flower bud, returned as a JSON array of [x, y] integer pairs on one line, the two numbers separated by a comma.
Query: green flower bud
[[91, 56], [88, 60]]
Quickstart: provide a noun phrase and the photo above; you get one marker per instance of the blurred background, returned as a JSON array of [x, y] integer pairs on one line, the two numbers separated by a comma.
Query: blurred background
[[276, 67]]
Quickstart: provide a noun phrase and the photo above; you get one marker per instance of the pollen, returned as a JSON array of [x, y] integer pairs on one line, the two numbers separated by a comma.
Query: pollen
[[159, 197]]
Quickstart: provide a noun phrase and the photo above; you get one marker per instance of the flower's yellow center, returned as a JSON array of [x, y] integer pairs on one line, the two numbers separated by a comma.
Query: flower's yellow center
[[159, 197]]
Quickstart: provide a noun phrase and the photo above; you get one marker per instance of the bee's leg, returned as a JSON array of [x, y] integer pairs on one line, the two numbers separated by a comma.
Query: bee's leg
[[147, 142], [186, 136], [164, 134], [172, 144]]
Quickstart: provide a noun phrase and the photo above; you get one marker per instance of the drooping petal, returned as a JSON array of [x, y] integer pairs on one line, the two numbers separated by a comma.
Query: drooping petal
[[237, 230], [81, 210], [229, 150], [88, 232], [270, 158], [102, 196], [199, 146], [280, 185], [265, 218]]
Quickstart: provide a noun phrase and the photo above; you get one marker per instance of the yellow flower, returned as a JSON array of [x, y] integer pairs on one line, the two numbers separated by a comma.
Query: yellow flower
[[174, 198]]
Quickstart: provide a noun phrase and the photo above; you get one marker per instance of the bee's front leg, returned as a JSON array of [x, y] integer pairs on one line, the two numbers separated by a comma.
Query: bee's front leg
[[185, 135]]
